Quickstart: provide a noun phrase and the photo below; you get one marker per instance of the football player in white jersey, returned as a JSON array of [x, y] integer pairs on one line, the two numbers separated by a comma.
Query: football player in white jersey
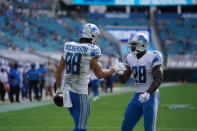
[[77, 60], [146, 67]]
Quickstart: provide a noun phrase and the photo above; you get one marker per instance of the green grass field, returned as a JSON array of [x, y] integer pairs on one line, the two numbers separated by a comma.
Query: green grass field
[[177, 112]]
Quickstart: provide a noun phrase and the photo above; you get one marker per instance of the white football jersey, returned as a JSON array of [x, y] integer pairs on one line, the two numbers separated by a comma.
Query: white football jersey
[[77, 58], [142, 69]]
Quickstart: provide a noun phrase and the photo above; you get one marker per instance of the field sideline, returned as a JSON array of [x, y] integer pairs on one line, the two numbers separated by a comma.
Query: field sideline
[[177, 112]]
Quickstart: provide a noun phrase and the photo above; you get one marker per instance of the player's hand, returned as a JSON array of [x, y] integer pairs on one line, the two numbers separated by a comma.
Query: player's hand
[[119, 67], [144, 97], [58, 98]]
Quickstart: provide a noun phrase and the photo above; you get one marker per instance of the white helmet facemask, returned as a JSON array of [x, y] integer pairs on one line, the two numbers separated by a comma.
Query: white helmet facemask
[[90, 31]]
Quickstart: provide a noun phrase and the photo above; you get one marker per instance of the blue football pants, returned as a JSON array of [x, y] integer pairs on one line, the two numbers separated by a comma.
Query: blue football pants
[[80, 110], [136, 109]]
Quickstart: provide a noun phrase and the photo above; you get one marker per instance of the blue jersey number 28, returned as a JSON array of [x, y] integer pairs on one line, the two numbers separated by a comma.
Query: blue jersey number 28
[[73, 63], [139, 73]]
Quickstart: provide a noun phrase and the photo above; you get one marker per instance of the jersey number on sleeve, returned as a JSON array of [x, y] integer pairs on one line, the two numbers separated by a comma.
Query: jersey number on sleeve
[[139, 73], [73, 63]]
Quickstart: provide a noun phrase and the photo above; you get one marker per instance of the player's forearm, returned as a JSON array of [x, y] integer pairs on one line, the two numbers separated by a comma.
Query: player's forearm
[[58, 79], [105, 73], [59, 72], [154, 86], [157, 73]]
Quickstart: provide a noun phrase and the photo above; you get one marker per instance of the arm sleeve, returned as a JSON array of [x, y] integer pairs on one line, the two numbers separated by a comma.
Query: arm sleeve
[[157, 59]]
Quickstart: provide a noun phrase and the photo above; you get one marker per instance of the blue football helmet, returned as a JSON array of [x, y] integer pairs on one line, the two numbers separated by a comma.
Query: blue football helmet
[[90, 31], [139, 42]]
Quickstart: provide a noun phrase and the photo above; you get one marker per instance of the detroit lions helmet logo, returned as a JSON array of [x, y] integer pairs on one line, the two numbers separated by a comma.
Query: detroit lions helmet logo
[[91, 31], [94, 29], [141, 38]]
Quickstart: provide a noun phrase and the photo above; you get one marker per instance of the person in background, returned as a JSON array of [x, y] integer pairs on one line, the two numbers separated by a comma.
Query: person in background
[[33, 76], [14, 82], [20, 71], [94, 85], [42, 73], [25, 88], [108, 82], [109, 79], [3, 83], [49, 79]]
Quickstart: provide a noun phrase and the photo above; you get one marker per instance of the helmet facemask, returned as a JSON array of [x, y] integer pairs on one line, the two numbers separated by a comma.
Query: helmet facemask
[[133, 47], [95, 38]]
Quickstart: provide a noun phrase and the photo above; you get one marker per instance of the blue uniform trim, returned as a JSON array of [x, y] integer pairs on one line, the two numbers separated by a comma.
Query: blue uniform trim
[[83, 112], [95, 53], [156, 59]]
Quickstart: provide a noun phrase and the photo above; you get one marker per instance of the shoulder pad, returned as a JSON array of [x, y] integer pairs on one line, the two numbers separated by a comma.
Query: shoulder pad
[[94, 50], [157, 58]]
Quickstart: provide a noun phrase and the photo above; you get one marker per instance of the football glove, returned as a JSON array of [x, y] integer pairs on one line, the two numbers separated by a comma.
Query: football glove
[[119, 67], [144, 97]]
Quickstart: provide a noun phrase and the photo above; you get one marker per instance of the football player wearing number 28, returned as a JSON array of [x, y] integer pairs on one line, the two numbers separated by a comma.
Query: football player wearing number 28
[[77, 60], [146, 67]]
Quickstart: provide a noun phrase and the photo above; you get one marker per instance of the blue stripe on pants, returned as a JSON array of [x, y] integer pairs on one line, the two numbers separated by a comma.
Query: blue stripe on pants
[[80, 110], [136, 109]]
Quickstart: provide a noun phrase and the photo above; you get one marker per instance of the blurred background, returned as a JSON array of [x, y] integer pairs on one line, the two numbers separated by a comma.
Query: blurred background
[[33, 33]]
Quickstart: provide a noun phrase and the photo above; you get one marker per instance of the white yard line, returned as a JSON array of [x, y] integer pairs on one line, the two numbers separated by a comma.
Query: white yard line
[[20, 106], [169, 84]]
